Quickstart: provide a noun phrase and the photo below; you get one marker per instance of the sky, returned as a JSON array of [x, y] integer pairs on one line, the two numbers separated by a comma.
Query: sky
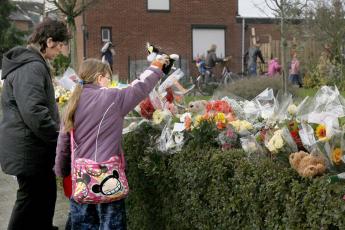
[[249, 8]]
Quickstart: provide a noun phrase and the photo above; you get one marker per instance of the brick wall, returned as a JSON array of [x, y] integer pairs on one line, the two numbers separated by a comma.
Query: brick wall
[[132, 26]]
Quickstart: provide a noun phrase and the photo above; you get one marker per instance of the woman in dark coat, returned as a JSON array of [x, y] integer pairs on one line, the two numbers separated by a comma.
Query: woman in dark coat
[[30, 124]]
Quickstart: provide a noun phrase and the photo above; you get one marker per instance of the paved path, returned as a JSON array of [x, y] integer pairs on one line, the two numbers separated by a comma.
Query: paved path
[[8, 190]]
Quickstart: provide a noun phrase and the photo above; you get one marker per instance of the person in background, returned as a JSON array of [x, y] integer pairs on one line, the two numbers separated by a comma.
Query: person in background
[[294, 76], [30, 124], [97, 111], [200, 64], [274, 67], [211, 61], [251, 58], [108, 51]]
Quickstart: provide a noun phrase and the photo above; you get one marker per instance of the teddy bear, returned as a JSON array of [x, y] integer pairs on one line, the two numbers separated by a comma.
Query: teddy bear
[[307, 165], [198, 107]]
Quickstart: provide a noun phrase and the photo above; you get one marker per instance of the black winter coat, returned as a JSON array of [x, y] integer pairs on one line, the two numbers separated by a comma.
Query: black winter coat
[[29, 127]]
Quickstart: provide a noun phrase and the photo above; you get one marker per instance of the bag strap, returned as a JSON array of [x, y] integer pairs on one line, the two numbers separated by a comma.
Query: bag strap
[[96, 150], [99, 128], [72, 145]]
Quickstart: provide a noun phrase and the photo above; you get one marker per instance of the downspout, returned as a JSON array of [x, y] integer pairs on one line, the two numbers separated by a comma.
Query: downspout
[[243, 34], [84, 28]]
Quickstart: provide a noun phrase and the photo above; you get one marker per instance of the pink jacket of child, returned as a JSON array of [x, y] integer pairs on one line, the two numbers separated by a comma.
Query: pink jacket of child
[[273, 67]]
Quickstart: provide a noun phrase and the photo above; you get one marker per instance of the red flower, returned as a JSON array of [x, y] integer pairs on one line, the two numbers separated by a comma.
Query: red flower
[[295, 136], [146, 108], [170, 95]]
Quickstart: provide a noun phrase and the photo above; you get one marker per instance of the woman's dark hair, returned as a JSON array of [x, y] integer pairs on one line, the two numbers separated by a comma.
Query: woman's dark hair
[[49, 28]]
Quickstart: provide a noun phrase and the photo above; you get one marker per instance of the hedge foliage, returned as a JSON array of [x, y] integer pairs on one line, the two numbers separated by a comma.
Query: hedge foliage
[[205, 188], [248, 88]]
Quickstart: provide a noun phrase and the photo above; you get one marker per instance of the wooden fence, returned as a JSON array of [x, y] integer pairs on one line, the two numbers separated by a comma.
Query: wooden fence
[[308, 51]]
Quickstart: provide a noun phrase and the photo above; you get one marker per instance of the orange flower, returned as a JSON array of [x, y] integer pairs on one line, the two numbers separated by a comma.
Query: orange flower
[[320, 131], [188, 122], [209, 106], [336, 156], [220, 125], [206, 116]]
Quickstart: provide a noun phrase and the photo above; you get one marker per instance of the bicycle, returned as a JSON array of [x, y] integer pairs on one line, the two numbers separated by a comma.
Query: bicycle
[[207, 82]]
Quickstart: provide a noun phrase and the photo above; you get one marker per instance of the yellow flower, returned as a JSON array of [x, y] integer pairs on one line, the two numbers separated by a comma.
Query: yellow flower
[[157, 116], [220, 117], [197, 121], [276, 142], [320, 132], [236, 124], [113, 84], [336, 156], [246, 125]]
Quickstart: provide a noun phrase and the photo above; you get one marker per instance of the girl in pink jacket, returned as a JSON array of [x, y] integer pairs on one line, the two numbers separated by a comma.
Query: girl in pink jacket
[[273, 67]]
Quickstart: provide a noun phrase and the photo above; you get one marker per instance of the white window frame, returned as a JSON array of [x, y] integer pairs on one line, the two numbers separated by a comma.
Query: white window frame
[[108, 30], [158, 5], [204, 36]]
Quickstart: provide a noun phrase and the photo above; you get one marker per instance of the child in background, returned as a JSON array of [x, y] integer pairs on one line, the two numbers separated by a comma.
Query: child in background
[[200, 63], [97, 111], [295, 71], [273, 67]]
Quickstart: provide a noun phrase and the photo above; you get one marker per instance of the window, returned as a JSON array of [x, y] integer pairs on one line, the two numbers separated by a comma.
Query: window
[[158, 5], [106, 34], [204, 37]]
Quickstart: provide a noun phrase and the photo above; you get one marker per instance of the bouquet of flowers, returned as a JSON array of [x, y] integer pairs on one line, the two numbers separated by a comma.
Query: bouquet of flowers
[[62, 95], [280, 144], [242, 127]]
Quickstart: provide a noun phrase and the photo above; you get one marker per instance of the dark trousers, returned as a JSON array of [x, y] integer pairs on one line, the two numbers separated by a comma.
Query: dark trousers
[[107, 216], [35, 204]]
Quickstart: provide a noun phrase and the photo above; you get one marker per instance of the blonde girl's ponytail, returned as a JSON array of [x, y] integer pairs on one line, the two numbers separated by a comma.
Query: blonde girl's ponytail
[[89, 70]]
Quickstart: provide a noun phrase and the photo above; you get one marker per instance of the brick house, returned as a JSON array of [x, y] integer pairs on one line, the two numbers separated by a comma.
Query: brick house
[[187, 28], [26, 14], [169, 24]]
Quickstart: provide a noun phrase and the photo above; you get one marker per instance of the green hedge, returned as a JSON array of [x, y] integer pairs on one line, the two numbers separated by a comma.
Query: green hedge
[[210, 189]]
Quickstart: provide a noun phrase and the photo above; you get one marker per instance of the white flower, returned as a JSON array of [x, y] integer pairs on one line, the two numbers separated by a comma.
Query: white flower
[[292, 109]]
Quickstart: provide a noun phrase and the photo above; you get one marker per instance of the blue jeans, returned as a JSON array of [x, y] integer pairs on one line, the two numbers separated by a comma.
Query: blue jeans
[[107, 216], [294, 79], [252, 70]]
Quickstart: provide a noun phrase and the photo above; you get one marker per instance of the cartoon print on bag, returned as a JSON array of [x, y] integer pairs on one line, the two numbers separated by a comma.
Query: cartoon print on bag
[[96, 171], [81, 189], [110, 185]]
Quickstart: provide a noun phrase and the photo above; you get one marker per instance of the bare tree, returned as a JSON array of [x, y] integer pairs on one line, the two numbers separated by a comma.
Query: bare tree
[[326, 21], [286, 10], [72, 9]]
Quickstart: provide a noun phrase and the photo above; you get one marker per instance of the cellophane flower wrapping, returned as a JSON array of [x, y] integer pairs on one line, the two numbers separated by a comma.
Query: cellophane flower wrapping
[[251, 146], [228, 138], [326, 107], [280, 108], [266, 102], [333, 149], [172, 137]]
